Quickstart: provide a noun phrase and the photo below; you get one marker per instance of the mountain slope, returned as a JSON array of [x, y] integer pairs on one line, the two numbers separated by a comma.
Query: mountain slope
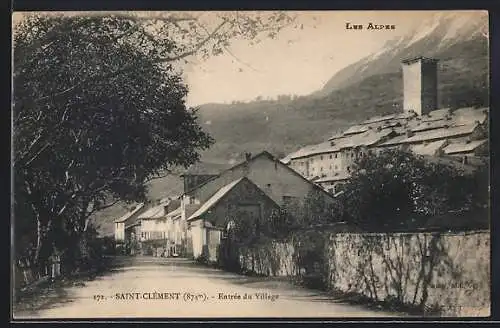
[[432, 37]]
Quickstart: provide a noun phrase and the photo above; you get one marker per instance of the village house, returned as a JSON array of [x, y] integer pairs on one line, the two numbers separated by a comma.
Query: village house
[[460, 134], [233, 201], [157, 229], [268, 183], [121, 225], [151, 229]]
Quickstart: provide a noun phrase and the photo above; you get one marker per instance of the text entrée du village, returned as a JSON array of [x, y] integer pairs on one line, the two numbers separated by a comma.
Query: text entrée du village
[[188, 296]]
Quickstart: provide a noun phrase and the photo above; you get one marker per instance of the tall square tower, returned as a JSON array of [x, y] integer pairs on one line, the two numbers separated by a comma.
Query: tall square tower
[[420, 85]]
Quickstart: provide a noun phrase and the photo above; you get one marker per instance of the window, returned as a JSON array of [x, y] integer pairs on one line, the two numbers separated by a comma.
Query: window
[[321, 169], [336, 155], [321, 158], [330, 156], [336, 167]]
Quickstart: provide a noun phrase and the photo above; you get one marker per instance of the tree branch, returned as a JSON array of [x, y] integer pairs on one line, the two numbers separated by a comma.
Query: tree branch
[[198, 46]]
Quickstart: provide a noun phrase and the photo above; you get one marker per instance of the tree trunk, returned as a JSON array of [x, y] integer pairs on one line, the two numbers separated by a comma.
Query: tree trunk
[[38, 240]]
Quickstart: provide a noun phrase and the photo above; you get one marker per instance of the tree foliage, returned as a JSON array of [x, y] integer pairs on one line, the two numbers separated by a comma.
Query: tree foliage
[[397, 189]]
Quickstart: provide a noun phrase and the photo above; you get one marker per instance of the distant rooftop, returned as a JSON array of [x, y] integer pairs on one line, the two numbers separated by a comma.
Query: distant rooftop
[[438, 124], [430, 148], [129, 214], [463, 147], [339, 177]]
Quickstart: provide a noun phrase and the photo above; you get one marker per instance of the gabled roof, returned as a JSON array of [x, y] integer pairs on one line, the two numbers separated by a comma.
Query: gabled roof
[[463, 147], [336, 136], [367, 138], [340, 177], [154, 212], [356, 129], [175, 213], [423, 126], [219, 195], [215, 199], [128, 215], [470, 115], [429, 148], [429, 135], [376, 119]]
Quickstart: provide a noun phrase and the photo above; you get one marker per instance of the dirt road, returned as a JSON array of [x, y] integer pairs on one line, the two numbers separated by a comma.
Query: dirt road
[[148, 287]]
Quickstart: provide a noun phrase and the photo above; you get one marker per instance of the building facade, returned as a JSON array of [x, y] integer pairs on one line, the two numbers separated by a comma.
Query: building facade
[[240, 198]]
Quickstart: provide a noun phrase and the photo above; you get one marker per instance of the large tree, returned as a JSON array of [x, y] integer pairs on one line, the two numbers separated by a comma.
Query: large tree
[[95, 116]]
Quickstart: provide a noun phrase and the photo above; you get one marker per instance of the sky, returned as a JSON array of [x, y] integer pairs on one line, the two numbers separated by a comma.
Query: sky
[[299, 61]]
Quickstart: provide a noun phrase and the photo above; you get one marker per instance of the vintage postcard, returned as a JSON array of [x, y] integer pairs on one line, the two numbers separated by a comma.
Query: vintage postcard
[[250, 164]]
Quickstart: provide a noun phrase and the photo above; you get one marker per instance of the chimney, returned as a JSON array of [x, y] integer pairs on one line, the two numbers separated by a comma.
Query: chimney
[[420, 85]]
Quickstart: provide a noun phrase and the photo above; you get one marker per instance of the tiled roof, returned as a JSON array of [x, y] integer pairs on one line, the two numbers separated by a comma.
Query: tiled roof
[[404, 115], [339, 177], [470, 115], [368, 138], [126, 216], [429, 148], [438, 124], [429, 135], [462, 147], [311, 150], [214, 199], [154, 212], [423, 126], [442, 133], [356, 129], [376, 119], [336, 136], [175, 213]]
